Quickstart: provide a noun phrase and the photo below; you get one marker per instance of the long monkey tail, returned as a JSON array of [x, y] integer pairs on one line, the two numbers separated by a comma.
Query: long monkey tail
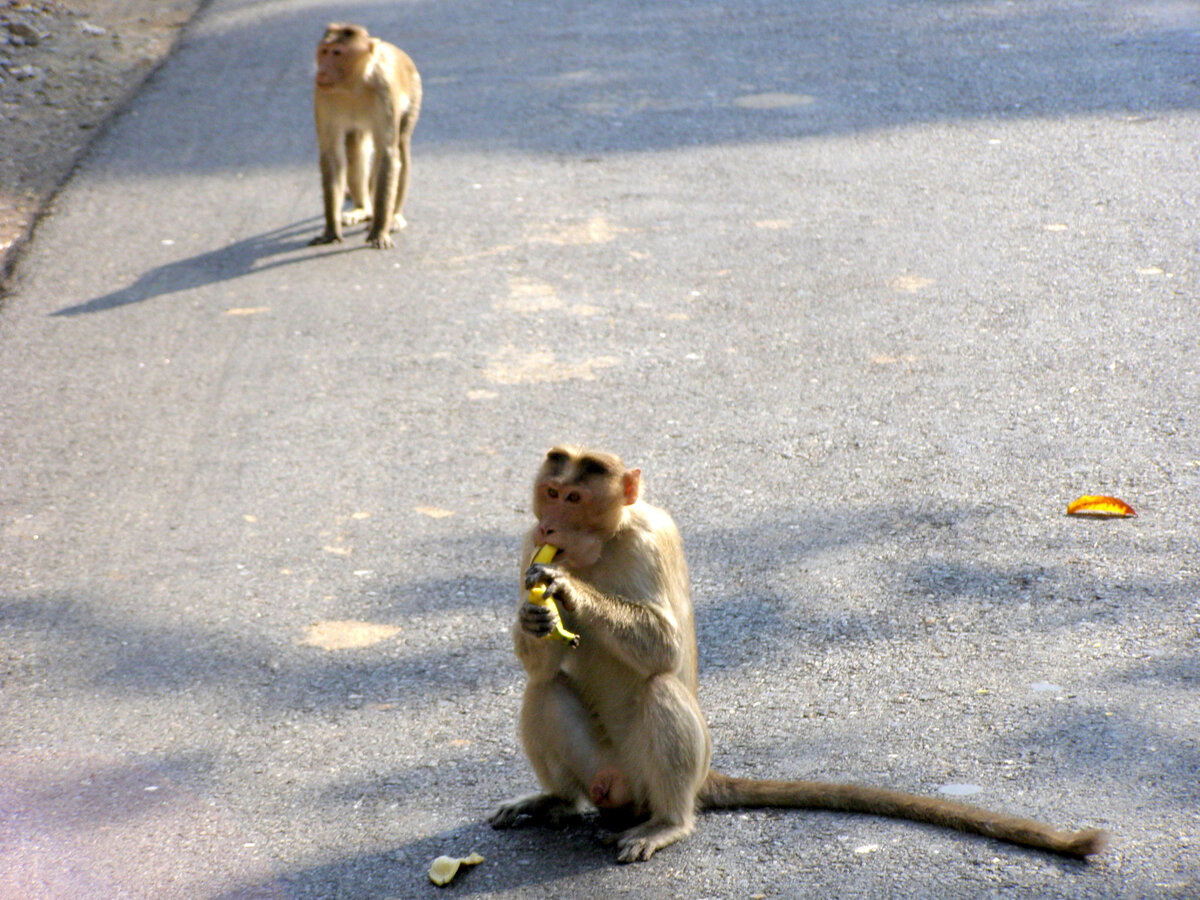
[[722, 792]]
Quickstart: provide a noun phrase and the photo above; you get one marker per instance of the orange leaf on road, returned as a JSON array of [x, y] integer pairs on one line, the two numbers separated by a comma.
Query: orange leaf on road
[[1100, 505]]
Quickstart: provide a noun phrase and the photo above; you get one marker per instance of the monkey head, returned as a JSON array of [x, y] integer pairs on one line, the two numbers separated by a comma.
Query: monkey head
[[580, 499], [342, 53]]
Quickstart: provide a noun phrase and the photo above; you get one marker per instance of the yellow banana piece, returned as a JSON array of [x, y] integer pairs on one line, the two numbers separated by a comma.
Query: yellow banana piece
[[537, 596]]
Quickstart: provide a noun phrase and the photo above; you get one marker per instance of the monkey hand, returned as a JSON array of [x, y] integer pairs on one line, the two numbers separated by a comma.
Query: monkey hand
[[537, 620], [327, 237], [554, 584], [539, 615]]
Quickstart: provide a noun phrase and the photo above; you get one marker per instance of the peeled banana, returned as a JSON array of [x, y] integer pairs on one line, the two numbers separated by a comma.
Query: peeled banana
[[444, 868], [537, 596]]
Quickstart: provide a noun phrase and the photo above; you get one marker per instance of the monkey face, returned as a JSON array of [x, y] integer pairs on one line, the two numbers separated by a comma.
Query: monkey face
[[339, 54], [568, 516], [579, 499]]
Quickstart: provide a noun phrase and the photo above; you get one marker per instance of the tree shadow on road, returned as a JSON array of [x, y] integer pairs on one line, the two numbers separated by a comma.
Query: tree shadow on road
[[93, 650], [525, 858], [936, 580], [630, 77], [607, 79], [77, 822], [129, 658]]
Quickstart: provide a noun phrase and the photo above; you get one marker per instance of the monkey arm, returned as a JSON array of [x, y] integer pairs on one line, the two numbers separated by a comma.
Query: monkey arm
[[644, 634], [639, 602], [542, 659]]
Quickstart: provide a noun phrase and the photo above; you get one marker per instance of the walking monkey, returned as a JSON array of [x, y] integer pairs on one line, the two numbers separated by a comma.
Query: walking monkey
[[615, 723], [366, 101]]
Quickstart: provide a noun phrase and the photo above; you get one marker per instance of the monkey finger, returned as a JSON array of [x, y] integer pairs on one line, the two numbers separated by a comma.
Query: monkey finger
[[557, 585], [540, 573], [326, 238], [556, 582], [537, 620], [537, 632], [534, 576]]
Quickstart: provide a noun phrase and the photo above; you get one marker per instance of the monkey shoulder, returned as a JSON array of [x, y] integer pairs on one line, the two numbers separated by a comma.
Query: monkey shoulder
[[652, 519], [393, 64], [656, 532], [652, 568]]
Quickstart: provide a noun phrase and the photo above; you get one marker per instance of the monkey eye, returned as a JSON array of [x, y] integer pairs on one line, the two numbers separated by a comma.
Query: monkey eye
[[573, 497], [552, 493]]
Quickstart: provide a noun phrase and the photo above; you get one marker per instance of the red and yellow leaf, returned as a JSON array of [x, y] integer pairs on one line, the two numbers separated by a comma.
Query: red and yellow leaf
[[1100, 505]]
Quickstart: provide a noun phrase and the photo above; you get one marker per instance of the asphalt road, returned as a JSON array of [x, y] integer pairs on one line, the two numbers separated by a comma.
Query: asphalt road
[[869, 290]]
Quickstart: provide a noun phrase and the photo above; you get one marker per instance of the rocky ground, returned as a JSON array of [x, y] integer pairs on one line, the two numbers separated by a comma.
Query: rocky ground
[[65, 67]]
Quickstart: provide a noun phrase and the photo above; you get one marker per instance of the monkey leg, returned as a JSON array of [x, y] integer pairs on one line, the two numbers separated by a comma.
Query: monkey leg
[[333, 193], [358, 172], [565, 744], [385, 183], [404, 147], [667, 755], [568, 755], [540, 808]]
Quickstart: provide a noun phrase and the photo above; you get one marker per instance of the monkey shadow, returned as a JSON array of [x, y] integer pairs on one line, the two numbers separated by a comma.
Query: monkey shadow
[[225, 264]]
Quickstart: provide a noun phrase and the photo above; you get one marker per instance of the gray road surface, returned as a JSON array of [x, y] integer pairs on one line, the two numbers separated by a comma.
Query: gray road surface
[[870, 290]]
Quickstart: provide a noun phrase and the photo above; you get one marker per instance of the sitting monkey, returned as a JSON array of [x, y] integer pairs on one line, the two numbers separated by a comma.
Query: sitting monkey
[[615, 724]]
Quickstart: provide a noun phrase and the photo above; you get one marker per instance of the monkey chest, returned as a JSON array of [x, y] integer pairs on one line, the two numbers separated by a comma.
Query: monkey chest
[[608, 688]]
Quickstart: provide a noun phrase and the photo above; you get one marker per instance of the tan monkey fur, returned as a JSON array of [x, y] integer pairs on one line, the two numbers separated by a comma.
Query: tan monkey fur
[[615, 723], [366, 100]]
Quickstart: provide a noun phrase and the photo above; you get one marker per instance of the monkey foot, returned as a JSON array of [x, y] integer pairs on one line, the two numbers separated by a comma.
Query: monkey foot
[[542, 809], [326, 238], [640, 843]]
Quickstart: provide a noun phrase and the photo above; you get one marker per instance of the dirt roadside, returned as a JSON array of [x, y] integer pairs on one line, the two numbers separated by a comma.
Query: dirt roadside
[[66, 66]]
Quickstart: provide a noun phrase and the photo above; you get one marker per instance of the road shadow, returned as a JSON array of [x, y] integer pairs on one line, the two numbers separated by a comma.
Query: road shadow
[[99, 653], [767, 619], [763, 621], [559, 78], [237, 260], [1076, 737], [75, 823], [513, 859], [128, 658]]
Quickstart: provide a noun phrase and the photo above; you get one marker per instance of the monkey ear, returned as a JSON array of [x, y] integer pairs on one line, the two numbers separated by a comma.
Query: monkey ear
[[631, 482], [373, 43]]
